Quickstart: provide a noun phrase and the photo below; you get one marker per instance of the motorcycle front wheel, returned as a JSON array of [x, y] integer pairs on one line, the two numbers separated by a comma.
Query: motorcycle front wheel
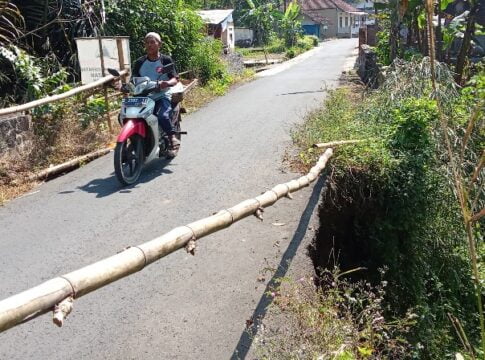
[[128, 160]]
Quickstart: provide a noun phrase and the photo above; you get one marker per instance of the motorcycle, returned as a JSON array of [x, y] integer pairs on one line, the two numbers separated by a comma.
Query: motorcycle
[[141, 140]]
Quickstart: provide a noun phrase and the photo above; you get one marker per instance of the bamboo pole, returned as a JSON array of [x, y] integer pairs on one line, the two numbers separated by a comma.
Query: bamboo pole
[[33, 302], [67, 165], [50, 99], [336, 143]]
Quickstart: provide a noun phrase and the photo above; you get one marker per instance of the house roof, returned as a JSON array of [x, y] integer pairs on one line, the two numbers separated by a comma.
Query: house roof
[[309, 5], [215, 16], [315, 17]]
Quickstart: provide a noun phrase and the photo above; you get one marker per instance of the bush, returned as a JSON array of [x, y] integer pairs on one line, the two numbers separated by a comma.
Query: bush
[[290, 53], [206, 60], [305, 43], [276, 46], [314, 39], [383, 50], [220, 86]]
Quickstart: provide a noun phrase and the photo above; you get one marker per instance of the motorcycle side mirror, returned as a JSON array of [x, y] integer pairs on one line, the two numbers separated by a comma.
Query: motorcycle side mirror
[[113, 72]]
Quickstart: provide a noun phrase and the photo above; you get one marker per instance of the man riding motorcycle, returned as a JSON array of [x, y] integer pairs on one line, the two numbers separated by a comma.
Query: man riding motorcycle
[[161, 68]]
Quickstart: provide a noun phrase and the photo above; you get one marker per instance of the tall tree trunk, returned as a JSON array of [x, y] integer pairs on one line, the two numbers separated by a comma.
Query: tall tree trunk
[[465, 45], [439, 36], [418, 35]]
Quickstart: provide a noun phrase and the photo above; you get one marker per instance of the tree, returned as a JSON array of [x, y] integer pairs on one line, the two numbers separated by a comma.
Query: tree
[[178, 25], [261, 17], [467, 38]]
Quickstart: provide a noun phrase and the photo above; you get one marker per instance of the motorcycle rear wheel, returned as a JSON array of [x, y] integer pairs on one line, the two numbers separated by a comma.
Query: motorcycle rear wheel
[[128, 160]]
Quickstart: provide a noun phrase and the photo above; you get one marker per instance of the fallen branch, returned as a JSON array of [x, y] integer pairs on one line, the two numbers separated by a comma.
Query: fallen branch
[[69, 165], [337, 143], [30, 303]]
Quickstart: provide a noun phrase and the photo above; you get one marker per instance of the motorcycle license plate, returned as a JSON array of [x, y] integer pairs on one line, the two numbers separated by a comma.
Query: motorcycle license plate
[[135, 101]]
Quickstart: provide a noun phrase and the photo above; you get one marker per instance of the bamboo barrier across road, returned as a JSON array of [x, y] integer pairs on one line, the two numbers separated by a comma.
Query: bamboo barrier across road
[[57, 294]]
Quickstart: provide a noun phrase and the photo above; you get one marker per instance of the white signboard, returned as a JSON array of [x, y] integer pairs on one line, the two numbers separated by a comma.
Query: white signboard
[[90, 58]]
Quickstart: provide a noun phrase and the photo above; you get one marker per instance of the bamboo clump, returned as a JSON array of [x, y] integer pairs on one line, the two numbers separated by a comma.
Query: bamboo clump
[[55, 294]]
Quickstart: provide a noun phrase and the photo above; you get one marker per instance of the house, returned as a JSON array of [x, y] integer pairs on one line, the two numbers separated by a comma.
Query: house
[[332, 18], [313, 24], [366, 6], [220, 25]]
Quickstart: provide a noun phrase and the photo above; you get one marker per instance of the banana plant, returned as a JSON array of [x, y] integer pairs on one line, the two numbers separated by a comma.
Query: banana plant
[[290, 24]]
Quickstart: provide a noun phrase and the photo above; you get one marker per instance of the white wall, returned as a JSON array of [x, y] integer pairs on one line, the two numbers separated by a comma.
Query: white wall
[[243, 34]]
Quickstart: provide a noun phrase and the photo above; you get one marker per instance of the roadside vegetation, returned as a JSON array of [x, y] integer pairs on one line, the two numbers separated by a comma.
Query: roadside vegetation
[[390, 215]]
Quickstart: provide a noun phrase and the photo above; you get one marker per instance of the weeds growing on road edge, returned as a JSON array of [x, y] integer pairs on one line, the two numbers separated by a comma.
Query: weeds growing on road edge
[[335, 319], [390, 201]]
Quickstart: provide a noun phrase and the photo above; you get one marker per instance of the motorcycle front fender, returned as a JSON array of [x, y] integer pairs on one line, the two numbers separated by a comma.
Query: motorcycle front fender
[[132, 127]]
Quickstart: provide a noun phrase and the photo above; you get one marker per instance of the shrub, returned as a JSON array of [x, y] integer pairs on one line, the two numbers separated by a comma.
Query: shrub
[[383, 50], [305, 43], [290, 53], [314, 39], [206, 60], [276, 46]]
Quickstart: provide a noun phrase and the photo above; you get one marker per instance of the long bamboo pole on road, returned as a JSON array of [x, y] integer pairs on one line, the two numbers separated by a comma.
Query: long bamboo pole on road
[[44, 297]]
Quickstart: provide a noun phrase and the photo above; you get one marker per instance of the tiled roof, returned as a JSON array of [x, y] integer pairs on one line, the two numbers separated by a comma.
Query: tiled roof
[[307, 5], [316, 17]]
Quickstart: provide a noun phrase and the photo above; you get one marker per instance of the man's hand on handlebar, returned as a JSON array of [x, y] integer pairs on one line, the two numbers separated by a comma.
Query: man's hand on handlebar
[[163, 84], [116, 83]]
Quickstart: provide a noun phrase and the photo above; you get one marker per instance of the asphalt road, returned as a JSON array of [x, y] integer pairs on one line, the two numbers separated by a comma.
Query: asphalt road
[[181, 307]]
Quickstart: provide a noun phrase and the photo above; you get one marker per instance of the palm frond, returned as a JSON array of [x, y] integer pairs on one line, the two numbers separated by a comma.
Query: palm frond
[[11, 22]]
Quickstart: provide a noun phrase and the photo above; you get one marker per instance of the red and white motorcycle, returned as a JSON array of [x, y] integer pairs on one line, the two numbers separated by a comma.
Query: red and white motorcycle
[[140, 139]]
